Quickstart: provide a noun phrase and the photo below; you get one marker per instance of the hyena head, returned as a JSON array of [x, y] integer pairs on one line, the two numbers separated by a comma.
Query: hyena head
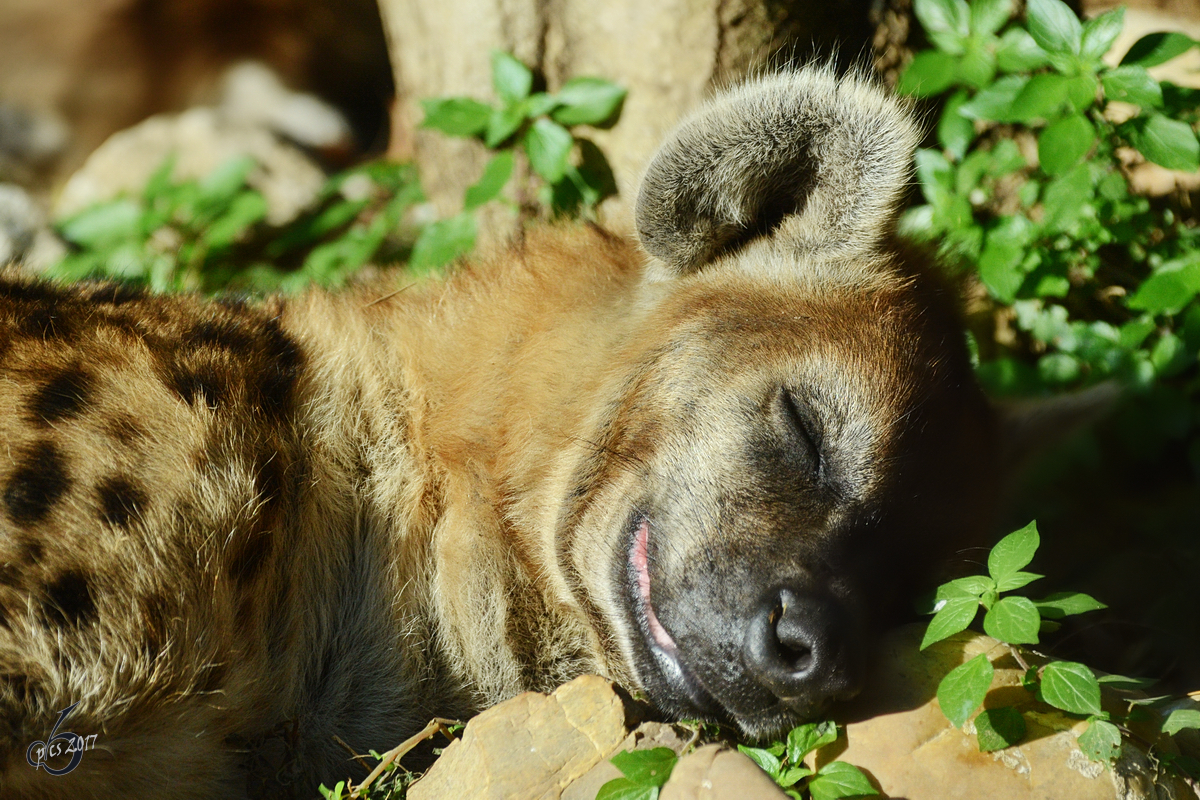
[[802, 431]]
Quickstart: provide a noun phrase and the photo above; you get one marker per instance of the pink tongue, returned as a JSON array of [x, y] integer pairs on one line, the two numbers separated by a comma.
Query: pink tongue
[[641, 564]]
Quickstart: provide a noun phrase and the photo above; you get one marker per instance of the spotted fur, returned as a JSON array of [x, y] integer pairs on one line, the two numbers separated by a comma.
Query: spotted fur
[[237, 533]]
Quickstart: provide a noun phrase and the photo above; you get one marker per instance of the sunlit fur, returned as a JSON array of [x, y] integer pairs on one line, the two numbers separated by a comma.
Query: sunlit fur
[[233, 532]]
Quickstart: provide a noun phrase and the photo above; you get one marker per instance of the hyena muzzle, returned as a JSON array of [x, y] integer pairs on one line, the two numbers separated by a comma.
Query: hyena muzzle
[[706, 466]]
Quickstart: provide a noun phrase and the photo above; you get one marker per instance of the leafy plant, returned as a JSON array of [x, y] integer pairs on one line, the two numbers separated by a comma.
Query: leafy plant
[[535, 126], [1030, 188], [645, 771], [212, 233], [1068, 686]]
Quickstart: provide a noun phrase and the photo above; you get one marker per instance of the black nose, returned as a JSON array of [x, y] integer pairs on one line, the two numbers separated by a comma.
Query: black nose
[[797, 646]]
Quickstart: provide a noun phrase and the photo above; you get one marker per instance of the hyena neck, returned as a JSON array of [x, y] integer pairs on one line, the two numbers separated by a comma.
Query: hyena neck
[[466, 399]]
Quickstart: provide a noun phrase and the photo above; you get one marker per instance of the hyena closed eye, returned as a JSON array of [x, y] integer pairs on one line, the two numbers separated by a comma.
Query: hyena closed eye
[[701, 466]]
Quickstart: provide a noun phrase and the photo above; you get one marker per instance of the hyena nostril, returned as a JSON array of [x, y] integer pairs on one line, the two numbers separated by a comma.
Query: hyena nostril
[[795, 645]]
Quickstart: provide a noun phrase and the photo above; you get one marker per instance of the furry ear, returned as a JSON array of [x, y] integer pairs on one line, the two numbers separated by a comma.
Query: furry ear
[[815, 160]]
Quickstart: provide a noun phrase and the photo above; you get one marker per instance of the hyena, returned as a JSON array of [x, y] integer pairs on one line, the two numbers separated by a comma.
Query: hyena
[[704, 465]]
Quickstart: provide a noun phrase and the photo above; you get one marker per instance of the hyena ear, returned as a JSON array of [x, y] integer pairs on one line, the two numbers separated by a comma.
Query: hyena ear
[[815, 160]]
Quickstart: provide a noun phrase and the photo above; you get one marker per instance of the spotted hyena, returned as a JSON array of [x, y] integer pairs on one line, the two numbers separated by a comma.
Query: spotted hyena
[[702, 465]]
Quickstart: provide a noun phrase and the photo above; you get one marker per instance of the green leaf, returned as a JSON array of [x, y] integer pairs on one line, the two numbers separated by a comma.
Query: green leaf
[[769, 763], [247, 209], [511, 79], [540, 103], [946, 22], [1014, 620], [503, 123], [1013, 552], [999, 268], [806, 738], [625, 789], [963, 689], [930, 73], [1101, 741], [973, 586], [1081, 91], [495, 176], [456, 116], [1181, 718], [1064, 143], [1121, 682], [1016, 580], [976, 66], [839, 779], [1018, 52], [103, 225], [998, 728], [1054, 26], [1157, 48], [1170, 143], [989, 16], [955, 132], [160, 181], [1071, 687], [1167, 291], [548, 146], [994, 103], [443, 241], [1100, 32], [790, 776], [1132, 84], [588, 101], [646, 767], [955, 615], [1043, 97], [1067, 199], [220, 186]]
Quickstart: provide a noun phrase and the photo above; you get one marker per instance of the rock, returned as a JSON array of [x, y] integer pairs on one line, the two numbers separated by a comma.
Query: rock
[[898, 735], [714, 772], [253, 95], [202, 139], [531, 746], [20, 220]]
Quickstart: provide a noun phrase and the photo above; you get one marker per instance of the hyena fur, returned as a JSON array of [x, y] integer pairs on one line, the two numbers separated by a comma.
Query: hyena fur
[[703, 466]]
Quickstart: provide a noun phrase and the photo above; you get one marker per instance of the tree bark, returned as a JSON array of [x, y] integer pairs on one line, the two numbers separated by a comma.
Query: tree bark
[[669, 54]]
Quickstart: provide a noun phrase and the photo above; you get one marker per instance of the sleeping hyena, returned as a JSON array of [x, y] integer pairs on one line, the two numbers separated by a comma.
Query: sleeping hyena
[[701, 466]]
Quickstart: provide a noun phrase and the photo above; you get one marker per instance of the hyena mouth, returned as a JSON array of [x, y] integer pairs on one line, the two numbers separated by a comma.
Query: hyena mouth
[[670, 684]]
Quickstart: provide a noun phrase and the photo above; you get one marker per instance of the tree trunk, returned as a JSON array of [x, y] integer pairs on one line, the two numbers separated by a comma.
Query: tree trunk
[[669, 54]]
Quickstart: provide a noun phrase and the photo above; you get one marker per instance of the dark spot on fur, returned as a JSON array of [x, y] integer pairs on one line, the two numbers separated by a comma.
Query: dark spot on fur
[[116, 294], [10, 575], [280, 372], [29, 292], [269, 477], [39, 480], [211, 678], [44, 322], [155, 620], [124, 428], [69, 600], [196, 384], [226, 334], [121, 500], [32, 550], [250, 554], [64, 396]]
